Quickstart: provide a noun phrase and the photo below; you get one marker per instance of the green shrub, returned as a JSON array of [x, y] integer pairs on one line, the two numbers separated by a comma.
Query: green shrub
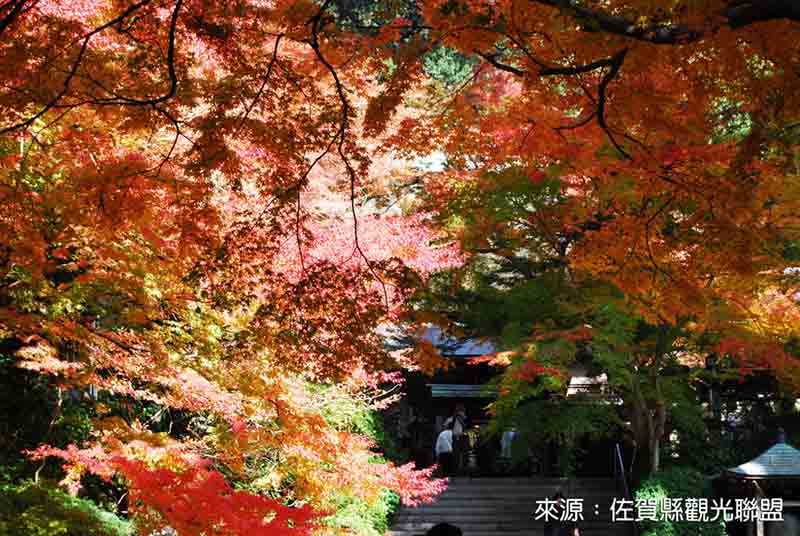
[[674, 482], [30, 509], [360, 517]]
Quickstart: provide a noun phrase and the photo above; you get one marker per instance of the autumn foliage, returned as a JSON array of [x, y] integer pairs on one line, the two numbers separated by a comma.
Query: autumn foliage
[[180, 222], [212, 206]]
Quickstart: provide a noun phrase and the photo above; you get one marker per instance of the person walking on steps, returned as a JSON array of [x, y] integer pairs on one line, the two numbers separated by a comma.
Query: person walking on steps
[[458, 421], [557, 525], [444, 450]]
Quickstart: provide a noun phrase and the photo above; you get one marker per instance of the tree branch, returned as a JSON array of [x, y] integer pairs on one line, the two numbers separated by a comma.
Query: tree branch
[[616, 63], [492, 59], [17, 7], [315, 22], [737, 14], [115, 99]]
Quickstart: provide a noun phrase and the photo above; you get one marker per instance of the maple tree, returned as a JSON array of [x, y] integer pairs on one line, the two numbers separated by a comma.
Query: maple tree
[[182, 198], [545, 315], [670, 127], [670, 131], [181, 226]]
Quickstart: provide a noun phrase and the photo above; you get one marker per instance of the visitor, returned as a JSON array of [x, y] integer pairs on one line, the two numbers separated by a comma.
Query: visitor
[[444, 529], [444, 450], [458, 420], [556, 526], [506, 441]]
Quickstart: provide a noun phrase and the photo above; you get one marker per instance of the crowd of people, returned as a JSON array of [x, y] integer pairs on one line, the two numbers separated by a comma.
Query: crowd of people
[[452, 447]]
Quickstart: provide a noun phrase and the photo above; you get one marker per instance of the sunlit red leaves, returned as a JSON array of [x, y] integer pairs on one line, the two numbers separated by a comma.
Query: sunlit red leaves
[[123, 221], [383, 106], [497, 359], [683, 212], [424, 356], [694, 221], [199, 499], [414, 486], [530, 371], [749, 355], [151, 278]]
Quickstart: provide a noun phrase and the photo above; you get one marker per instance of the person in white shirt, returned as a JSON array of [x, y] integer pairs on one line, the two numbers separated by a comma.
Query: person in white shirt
[[444, 450], [506, 441], [458, 420]]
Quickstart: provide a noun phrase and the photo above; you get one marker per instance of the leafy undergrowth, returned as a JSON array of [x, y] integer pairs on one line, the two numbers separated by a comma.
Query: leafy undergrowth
[[30, 509], [677, 482]]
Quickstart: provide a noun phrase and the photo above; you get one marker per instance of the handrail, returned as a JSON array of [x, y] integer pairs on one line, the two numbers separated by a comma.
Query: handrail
[[621, 478], [619, 471]]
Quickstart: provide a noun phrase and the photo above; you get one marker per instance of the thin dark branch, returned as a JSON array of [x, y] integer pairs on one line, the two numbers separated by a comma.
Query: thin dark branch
[[173, 77], [74, 69], [577, 69], [298, 231], [260, 91], [108, 337], [503, 67], [647, 237], [315, 22], [525, 50], [545, 70], [582, 122], [737, 14], [616, 63]]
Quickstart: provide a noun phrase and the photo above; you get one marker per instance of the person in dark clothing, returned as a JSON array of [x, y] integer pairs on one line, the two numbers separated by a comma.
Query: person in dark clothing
[[459, 423], [444, 529], [557, 526]]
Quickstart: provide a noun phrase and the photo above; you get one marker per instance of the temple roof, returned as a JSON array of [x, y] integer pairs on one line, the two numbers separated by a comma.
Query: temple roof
[[448, 346], [451, 347], [779, 461], [450, 390]]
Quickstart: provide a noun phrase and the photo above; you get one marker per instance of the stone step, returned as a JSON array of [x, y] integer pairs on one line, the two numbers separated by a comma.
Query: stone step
[[505, 503], [562, 483], [488, 508], [522, 521], [614, 530], [519, 493], [506, 506], [480, 515]]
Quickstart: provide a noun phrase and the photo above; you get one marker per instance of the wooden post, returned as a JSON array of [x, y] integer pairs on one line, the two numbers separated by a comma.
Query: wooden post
[[759, 522]]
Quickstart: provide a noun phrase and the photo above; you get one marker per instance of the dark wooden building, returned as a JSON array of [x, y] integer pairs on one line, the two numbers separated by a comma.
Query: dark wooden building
[[774, 474]]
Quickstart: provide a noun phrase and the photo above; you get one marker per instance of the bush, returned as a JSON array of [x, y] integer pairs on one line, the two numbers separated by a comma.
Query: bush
[[361, 517], [30, 509], [674, 482]]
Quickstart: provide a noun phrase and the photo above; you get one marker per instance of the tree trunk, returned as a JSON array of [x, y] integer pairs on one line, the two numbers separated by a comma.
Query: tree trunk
[[655, 454], [648, 421], [640, 424]]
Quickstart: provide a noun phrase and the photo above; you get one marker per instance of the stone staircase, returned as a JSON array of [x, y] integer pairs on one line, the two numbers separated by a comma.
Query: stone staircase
[[506, 506]]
